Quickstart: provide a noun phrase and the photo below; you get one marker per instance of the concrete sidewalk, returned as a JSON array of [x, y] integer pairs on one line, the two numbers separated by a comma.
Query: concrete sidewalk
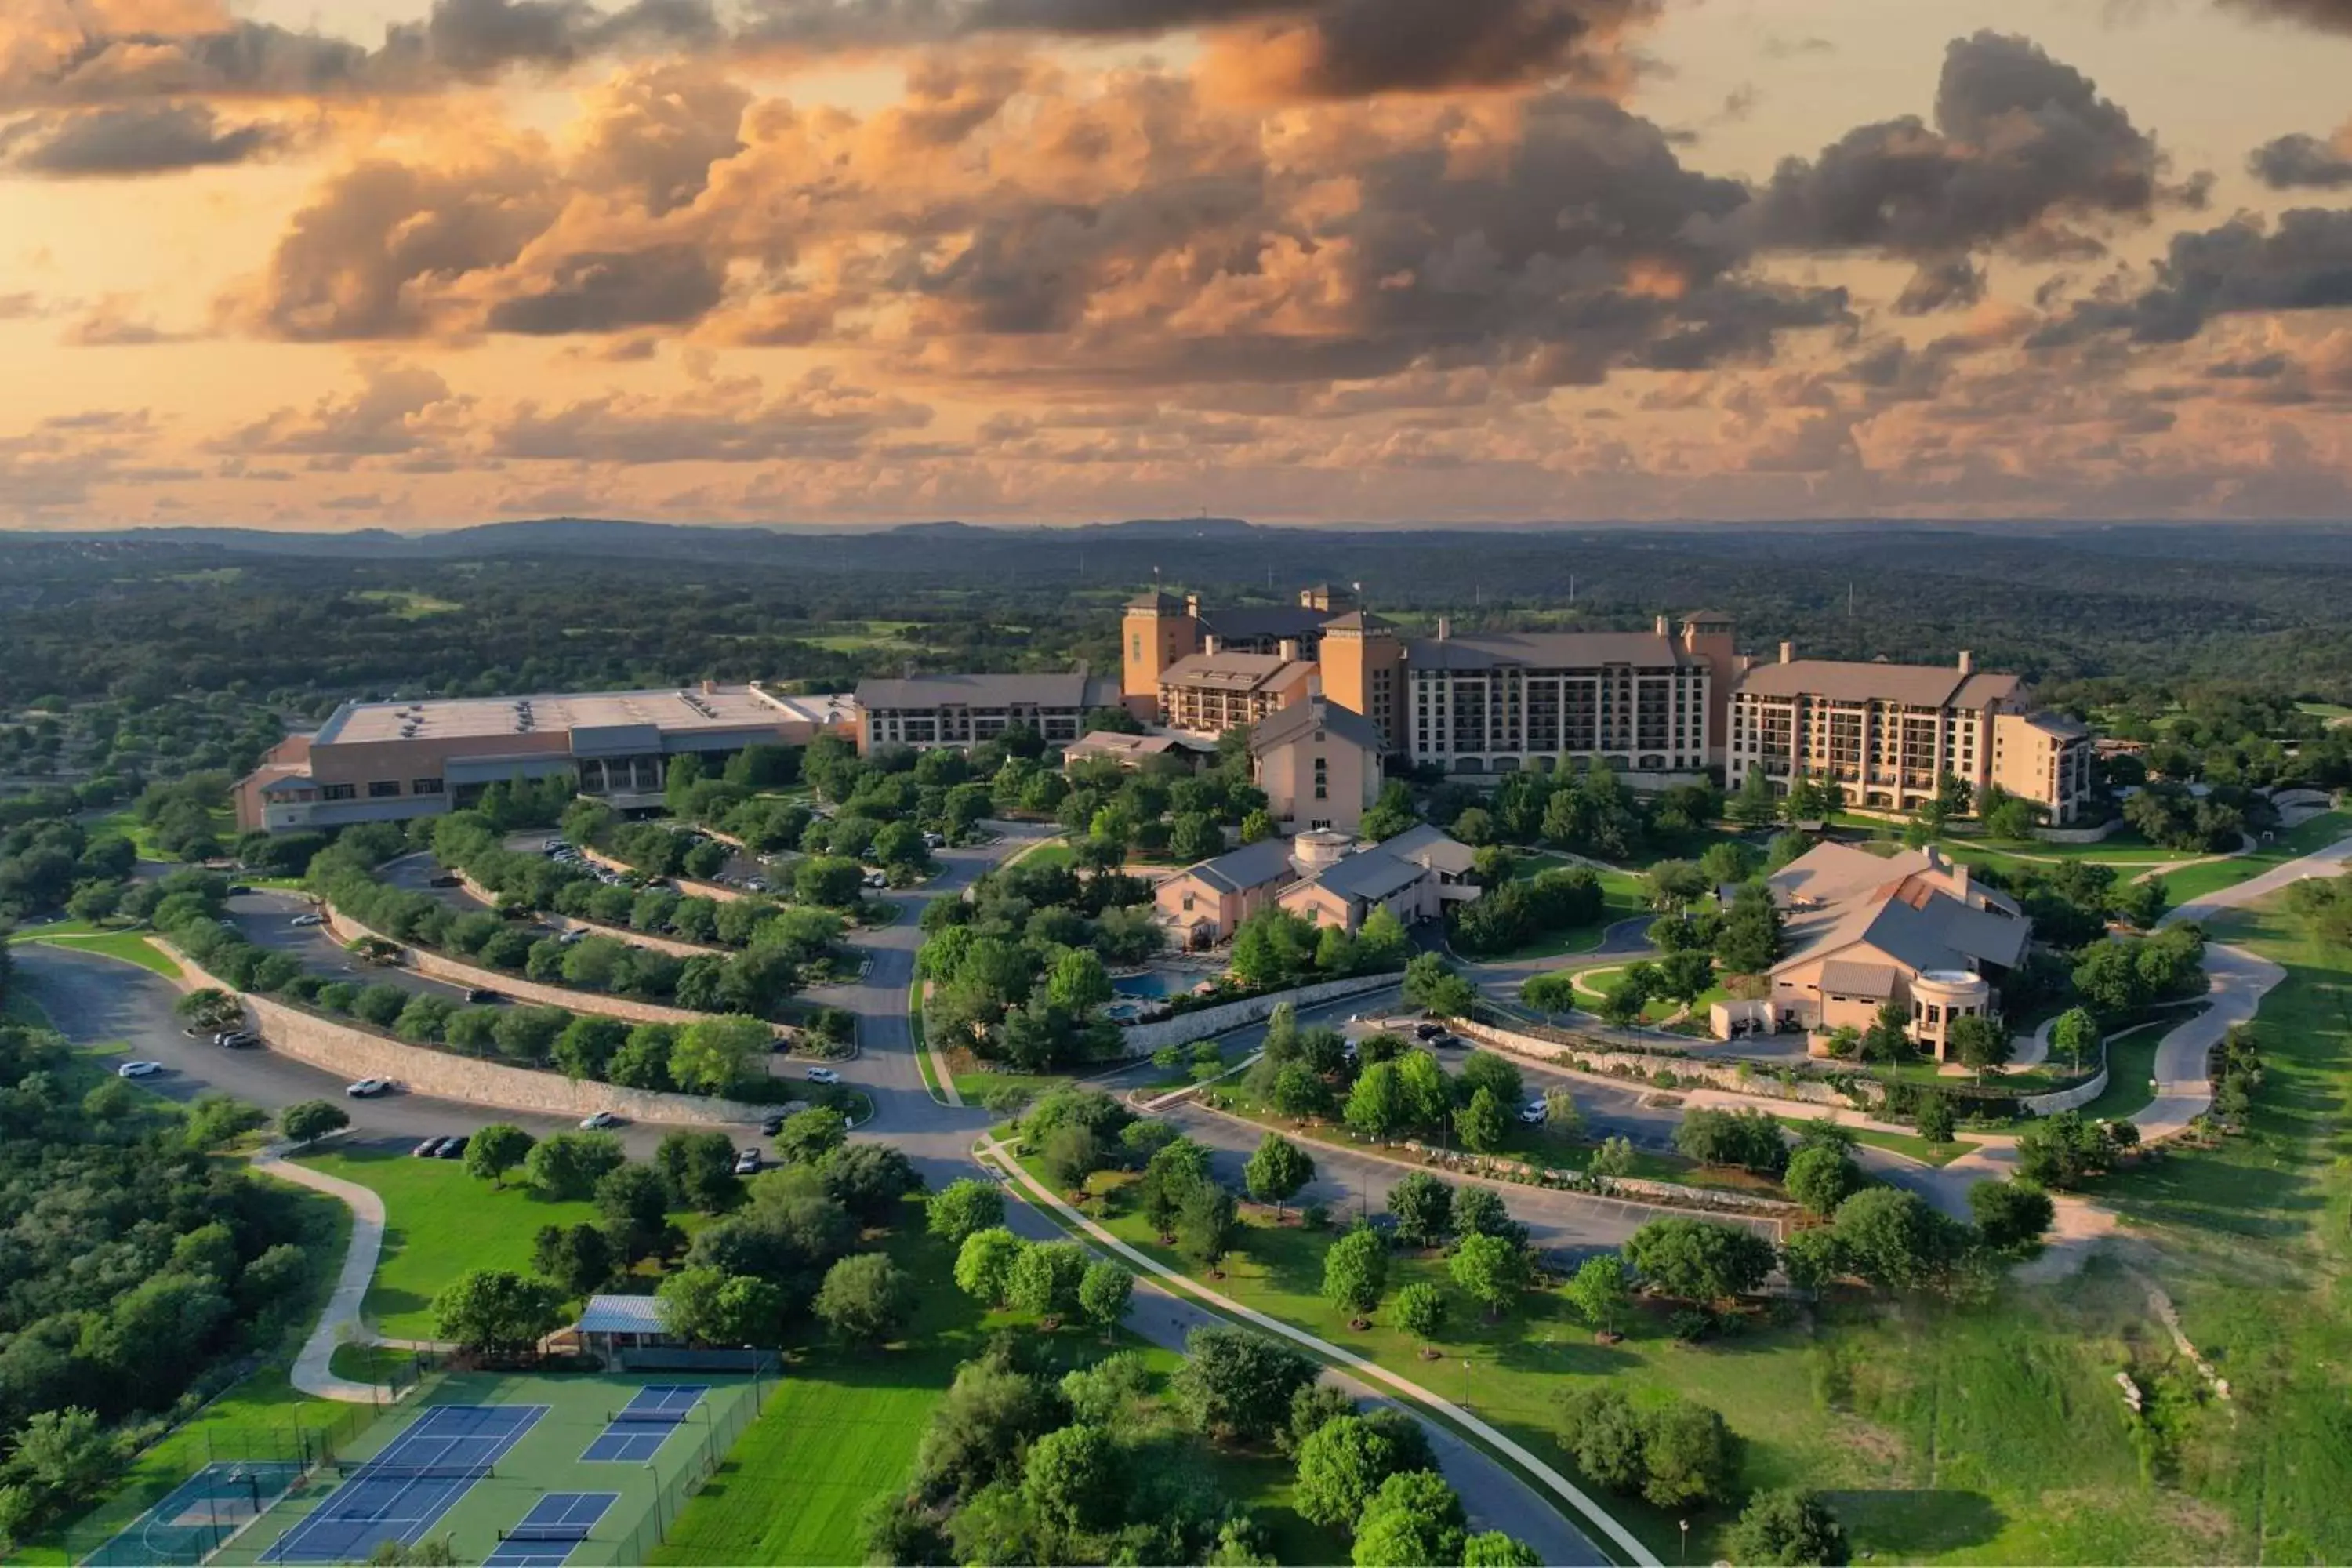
[[342, 1320]]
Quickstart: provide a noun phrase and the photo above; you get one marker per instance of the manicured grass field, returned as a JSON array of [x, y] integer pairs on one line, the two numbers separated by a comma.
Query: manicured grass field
[[2193, 882], [843, 1428], [1985, 1434], [1047, 853], [2131, 1061], [128, 946], [407, 606], [1622, 900], [126, 823], [1904, 1144], [440, 1223]]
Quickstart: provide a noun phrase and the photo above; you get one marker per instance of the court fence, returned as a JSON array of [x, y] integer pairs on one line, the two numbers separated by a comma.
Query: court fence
[[280, 1454], [682, 1469]]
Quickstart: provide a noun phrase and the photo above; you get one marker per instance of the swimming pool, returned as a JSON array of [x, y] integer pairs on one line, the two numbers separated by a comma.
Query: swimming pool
[[1155, 983]]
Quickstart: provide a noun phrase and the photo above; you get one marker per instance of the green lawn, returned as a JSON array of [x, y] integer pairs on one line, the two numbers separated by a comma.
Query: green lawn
[[131, 947], [440, 1223], [1622, 900], [1917, 1148], [2194, 882], [126, 823], [2131, 1062], [1985, 1434], [843, 1428], [1048, 852]]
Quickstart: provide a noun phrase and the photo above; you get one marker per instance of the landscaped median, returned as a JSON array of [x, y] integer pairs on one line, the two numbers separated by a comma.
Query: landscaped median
[[1161, 1266]]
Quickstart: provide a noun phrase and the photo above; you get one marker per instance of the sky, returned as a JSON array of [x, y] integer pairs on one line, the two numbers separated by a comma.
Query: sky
[[330, 264]]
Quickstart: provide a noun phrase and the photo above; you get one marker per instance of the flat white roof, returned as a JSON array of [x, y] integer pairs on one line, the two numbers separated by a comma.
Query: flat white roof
[[684, 710]]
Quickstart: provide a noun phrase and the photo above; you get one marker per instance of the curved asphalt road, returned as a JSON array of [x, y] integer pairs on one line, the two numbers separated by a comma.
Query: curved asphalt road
[[97, 1000]]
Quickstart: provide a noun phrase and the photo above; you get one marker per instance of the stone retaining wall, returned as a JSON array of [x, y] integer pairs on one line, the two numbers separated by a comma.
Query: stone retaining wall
[[1143, 1039], [2073, 1099], [424, 960], [1689, 1070], [355, 1052], [676, 947], [1675, 1194], [2098, 834]]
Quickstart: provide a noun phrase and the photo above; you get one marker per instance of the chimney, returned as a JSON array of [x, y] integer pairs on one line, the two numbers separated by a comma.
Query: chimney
[[1788, 653], [1209, 642], [1444, 627], [1192, 606], [1961, 880], [1288, 649], [709, 688], [1968, 661], [1662, 625]]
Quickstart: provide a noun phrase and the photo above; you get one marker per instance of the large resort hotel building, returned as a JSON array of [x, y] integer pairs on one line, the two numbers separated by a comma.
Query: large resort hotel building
[[375, 761], [1887, 733], [928, 710]]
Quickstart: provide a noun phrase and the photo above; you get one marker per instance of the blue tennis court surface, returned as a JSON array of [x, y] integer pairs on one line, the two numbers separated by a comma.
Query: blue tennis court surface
[[399, 1494], [645, 1423], [555, 1524], [201, 1513]]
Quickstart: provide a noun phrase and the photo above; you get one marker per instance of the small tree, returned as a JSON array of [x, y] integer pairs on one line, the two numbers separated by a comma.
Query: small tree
[[496, 1311], [1934, 1118], [1482, 1123], [1612, 1158], [2075, 1032], [1431, 983], [578, 1257], [1980, 1043], [2011, 1215], [1820, 1176], [1074, 1479], [808, 1136], [1342, 1463], [1496, 1550], [983, 1264], [1423, 1208], [1490, 1270], [1599, 1289], [210, 1008], [1205, 1220], [1355, 1273], [963, 1208], [496, 1150], [1420, 1311], [1045, 1278], [308, 1120], [1277, 1171], [865, 1298], [1104, 1291], [569, 1164], [1238, 1384], [1786, 1527]]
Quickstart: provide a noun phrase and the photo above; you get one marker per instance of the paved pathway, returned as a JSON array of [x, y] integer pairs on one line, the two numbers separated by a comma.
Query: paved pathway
[[343, 1321], [1553, 1539]]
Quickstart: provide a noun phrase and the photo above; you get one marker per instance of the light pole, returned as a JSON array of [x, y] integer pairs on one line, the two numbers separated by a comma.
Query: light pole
[[1683, 1525], [1465, 1383]]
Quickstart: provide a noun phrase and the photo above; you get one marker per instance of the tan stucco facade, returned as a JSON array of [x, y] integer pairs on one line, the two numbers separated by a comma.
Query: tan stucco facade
[[1318, 779]]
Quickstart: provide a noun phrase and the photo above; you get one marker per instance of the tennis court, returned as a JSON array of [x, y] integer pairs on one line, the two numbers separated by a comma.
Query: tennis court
[[552, 1529], [402, 1492], [201, 1512], [491, 1464], [636, 1433]]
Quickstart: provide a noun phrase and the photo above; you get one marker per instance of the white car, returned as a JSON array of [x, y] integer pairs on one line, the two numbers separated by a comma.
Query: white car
[[822, 1075], [368, 1088], [598, 1122], [747, 1161], [139, 1069], [308, 920], [877, 878], [1535, 1113]]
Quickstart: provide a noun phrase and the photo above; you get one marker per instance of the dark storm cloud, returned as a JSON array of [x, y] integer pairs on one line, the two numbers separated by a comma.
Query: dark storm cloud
[[2022, 145], [458, 40], [1340, 47], [665, 285], [2328, 15], [131, 140], [2304, 163], [2303, 263]]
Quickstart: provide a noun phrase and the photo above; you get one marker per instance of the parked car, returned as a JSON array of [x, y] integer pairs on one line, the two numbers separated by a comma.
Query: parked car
[[239, 890], [747, 1161], [368, 1088], [237, 1040], [1535, 1113], [1445, 1042], [1427, 1031], [139, 1069], [570, 937], [877, 878], [598, 1122], [427, 1150], [822, 1075], [308, 919], [452, 1148], [441, 879], [935, 840], [483, 994]]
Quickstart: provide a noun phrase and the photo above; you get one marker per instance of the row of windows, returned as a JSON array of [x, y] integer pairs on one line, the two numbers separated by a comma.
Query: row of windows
[[379, 789]]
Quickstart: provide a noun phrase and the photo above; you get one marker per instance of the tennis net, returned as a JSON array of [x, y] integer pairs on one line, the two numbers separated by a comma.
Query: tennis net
[[648, 1417], [377, 1470], [545, 1533]]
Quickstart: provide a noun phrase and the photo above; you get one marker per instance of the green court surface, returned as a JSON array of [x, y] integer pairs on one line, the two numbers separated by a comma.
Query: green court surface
[[201, 1512], [548, 1458]]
